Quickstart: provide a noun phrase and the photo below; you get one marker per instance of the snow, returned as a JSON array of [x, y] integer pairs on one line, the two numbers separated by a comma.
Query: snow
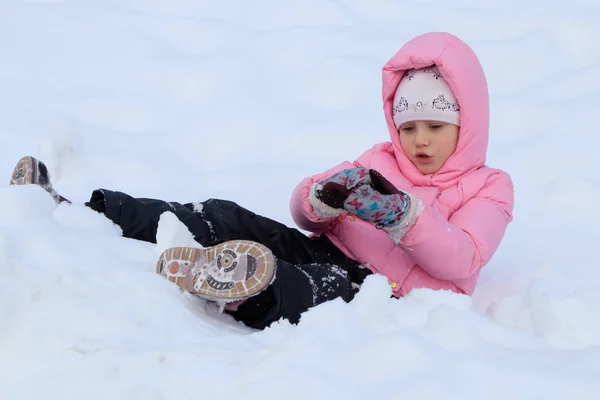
[[186, 100]]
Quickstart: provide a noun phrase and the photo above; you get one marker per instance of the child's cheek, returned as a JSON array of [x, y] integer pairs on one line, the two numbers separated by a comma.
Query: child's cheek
[[403, 143]]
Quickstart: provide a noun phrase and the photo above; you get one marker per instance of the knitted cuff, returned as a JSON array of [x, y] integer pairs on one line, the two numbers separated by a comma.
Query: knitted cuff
[[321, 209], [397, 232]]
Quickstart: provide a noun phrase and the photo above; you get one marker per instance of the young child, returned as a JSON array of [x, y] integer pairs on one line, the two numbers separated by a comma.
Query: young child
[[422, 210]]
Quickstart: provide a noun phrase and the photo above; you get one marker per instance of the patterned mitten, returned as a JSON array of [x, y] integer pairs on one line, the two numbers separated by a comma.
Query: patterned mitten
[[380, 184], [333, 191], [367, 194], [383, 210]]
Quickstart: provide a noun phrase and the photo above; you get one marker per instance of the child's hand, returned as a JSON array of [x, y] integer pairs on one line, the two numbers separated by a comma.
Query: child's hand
[[384, 210], [334, 190]]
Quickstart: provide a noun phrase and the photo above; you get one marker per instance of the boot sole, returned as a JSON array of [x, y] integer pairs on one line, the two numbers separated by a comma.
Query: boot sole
[[25, 172], [229, 271]]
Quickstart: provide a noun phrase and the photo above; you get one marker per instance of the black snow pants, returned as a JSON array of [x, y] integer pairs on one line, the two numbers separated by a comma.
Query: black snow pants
[[310, 271]]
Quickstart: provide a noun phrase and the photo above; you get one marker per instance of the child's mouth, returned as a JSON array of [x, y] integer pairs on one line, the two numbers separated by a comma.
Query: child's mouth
[[423, 158]]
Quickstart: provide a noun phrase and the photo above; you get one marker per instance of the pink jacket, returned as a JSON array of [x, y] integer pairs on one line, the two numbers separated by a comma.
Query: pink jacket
[[467, 206]]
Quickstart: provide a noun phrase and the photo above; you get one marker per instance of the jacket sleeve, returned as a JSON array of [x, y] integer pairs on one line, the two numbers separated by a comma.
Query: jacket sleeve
[[459, 247]]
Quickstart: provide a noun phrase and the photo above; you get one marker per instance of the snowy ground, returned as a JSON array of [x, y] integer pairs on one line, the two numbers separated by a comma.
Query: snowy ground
[[186, 100]]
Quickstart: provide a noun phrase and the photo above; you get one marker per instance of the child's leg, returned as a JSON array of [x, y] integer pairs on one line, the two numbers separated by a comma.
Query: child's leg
[[211, 222], [326, 252], [230, 221], [309, 271], [138, 217], [295, 290]]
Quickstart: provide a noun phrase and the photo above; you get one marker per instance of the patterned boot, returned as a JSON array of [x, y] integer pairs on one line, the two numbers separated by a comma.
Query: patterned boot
[[225, 273], [31, 171]]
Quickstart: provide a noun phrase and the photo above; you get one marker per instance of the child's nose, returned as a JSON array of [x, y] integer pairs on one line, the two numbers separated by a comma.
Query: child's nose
[[421, 139]]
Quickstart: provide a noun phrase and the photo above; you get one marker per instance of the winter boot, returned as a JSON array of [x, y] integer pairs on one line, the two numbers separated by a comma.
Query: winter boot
[[225, 273], [31, 171]]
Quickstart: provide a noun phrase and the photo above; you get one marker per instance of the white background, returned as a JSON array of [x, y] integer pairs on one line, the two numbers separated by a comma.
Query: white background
[[186, 100]]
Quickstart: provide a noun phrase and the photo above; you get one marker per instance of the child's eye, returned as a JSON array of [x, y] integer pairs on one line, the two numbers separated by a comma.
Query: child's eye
[[407, 129], [436, 126]]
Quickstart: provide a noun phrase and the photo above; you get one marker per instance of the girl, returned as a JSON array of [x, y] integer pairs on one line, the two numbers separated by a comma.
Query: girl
[[422, 209]]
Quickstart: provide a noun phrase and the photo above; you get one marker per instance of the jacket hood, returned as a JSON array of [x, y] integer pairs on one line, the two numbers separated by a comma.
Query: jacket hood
[[461, 68]]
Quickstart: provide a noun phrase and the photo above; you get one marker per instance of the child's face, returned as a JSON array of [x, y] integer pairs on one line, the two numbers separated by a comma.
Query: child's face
[[428, 144]]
